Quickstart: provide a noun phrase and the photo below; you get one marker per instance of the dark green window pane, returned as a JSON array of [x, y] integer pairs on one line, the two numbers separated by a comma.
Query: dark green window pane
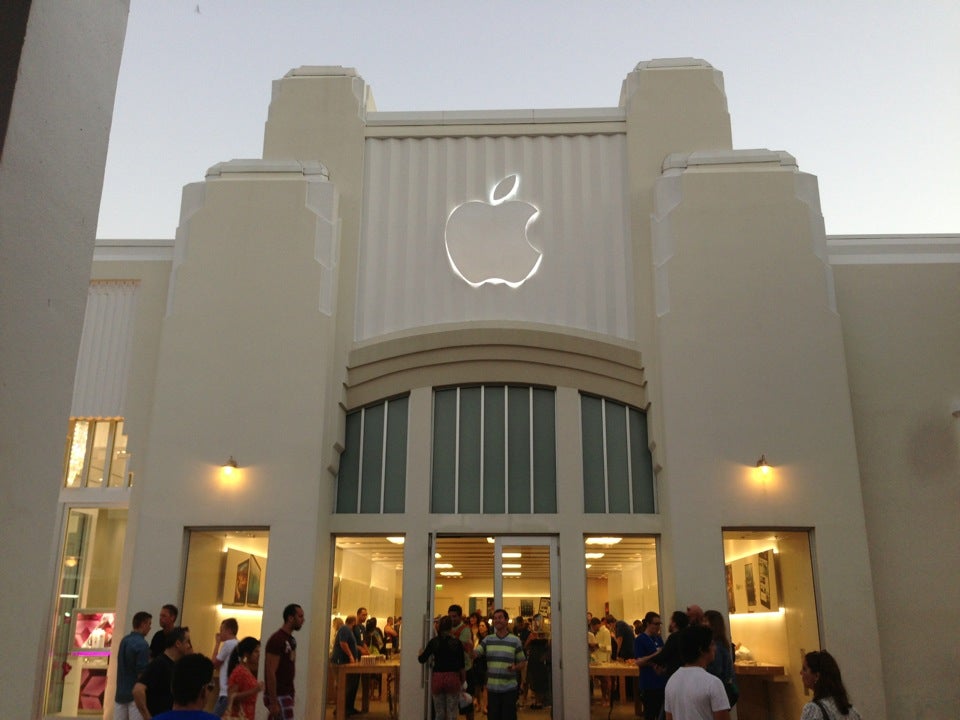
[[618, 479], [348, 479], [641, 462], [468, 479], [544, 452], [444, 451], [395, 478], [518, 450], [594, 482], [494, 466], [371, 469]]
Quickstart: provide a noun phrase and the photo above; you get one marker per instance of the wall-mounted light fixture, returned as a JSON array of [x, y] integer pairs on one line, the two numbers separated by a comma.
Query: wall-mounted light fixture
[[229, 466], [762, 464]]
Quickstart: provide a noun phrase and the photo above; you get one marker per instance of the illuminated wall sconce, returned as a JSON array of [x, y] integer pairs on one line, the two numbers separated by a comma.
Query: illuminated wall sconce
[[762, 464], [229, 466]]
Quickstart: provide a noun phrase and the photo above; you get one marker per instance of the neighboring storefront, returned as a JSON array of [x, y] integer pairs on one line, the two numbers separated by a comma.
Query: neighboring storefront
[[559, 362]]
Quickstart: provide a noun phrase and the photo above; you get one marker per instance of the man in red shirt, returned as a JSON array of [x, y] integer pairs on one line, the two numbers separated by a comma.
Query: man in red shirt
[[279, 667]]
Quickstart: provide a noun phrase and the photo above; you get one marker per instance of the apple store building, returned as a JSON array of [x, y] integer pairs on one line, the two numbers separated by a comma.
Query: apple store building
[[560, 362]]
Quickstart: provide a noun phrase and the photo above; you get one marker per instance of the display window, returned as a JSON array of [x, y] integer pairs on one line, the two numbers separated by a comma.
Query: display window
[[772, 607], [226, 574], [85, 623], [97, 454]]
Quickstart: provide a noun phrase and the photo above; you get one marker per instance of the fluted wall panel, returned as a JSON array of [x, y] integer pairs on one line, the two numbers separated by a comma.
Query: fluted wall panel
[[578, 184], [103, 365]]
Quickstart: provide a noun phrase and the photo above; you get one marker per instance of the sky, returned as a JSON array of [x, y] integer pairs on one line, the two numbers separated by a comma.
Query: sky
[[866, 95]]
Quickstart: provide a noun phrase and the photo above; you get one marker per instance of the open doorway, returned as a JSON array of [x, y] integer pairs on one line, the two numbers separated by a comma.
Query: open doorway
[[519, 575]]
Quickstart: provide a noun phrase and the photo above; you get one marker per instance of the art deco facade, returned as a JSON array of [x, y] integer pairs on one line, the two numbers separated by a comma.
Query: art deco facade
[[539, 327]]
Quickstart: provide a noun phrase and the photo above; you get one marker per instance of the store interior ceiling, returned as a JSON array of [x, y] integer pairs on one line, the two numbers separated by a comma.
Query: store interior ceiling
[[472, 556]]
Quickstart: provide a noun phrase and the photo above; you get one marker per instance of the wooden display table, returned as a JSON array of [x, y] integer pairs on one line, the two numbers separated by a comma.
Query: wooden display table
[[389, 671], [620, 670], [755, 681]]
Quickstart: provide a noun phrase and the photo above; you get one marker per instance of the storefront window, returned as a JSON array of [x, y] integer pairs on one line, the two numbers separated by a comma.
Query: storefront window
[[773, 616], [85, 623], [225, 578]]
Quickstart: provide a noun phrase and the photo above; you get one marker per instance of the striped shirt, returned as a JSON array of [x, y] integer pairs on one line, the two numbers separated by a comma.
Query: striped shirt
[[501, 653]]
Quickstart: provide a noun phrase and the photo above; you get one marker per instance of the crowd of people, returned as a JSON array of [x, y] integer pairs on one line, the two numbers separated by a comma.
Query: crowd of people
[[166, 680], [690, 675]]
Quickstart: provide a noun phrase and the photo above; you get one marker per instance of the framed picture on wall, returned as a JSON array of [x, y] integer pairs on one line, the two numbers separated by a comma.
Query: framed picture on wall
[[731, 593], [243, 579], [545, 607], [763, 567], [751, 586], [526, 607], [336, 594]]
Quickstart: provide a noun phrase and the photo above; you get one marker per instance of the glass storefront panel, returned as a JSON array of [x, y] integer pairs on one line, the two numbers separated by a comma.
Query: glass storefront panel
[[773, 616], [623, 579], [84, 622], [368, 574]]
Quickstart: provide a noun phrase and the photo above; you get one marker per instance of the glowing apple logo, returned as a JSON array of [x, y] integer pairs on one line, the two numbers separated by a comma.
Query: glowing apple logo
[[487, 242]]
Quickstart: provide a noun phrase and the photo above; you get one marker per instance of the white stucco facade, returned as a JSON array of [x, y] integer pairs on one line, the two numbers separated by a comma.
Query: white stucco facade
[[667, 271]]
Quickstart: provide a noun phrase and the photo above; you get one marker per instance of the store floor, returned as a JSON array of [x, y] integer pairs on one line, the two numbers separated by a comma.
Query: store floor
[[379, 711]]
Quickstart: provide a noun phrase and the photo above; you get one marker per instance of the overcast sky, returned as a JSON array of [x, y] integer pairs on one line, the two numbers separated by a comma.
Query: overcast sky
[[866, 95]]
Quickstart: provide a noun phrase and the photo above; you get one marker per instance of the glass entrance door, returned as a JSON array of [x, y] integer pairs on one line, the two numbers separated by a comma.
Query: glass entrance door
[[526, 586], [519, 574]]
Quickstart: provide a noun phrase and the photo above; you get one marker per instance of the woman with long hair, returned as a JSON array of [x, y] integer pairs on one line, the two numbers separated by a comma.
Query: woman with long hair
[[722, 664], [448, 673], [821, 674], [243, 686]]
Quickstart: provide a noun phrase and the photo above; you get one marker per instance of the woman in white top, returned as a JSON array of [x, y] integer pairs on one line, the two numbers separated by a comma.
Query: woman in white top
[[821, 674]]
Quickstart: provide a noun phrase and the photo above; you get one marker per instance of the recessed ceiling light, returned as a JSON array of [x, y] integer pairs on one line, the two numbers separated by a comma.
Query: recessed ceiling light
[[443, 566], [593, 555], [511, 573], [513, 566], [512, 555], [396, 540], [602, 540], [451, 573]]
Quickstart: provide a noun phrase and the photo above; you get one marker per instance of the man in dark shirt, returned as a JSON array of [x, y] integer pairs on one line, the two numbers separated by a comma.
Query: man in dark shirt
[[167, 620], [152, 693], [280, 665]]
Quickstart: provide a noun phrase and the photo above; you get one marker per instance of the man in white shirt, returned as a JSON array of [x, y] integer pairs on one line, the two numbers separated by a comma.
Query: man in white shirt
[[692, 693], [226, 642]]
